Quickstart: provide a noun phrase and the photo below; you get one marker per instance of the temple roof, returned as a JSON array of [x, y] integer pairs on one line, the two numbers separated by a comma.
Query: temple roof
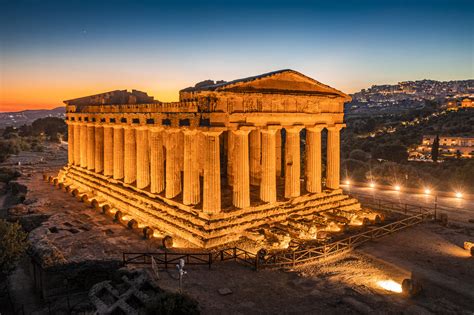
[[281, 81], [113, 97]]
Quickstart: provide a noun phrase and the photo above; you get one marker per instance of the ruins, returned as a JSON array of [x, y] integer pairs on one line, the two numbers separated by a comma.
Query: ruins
[[226, 159]]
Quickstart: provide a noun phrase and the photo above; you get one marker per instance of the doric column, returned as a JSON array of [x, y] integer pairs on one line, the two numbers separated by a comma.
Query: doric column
[[173, 173], [108, 150], [118, 152], [90, 146], [99, 149], [333, 156], [268, 192], [192, 189], [241, 188], [212, 173], [313, 159], [292, 161], [70, 142], [130, 155], [180, 150], [77, 144], [230, 157], [157, 166], [255, 156], [278, 152], [143, 158], [83, 145]]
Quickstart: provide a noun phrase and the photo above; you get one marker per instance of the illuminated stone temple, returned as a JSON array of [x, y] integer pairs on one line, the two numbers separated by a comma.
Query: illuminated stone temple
[[226, 159]]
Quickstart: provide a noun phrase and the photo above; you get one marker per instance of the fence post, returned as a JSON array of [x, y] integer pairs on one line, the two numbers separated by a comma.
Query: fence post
[[235, 253], [294, 259], [166, 260], [256, 262], [222, 255], [406, 206], [210, 260]]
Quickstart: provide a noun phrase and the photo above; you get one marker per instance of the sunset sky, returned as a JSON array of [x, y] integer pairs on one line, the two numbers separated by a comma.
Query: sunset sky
[[56, 50]]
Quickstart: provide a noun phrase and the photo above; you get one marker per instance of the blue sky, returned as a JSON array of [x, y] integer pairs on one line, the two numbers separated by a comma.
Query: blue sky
[[55, 50]]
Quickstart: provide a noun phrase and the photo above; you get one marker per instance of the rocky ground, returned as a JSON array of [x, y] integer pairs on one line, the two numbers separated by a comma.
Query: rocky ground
[[69, 236]]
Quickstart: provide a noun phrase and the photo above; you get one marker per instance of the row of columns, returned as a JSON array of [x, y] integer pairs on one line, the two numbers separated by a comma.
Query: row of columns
[[156, 158]]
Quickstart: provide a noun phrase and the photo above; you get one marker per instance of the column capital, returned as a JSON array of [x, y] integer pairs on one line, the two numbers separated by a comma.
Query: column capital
[[316, 128], [156, 128], [118, 126], [243, 132], [190, 132], [141, 127], [212, 131], [172, 130], [271, 131], [336, 127], [294, 128]]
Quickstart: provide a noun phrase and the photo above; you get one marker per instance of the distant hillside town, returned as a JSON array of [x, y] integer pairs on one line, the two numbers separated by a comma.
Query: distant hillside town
[[409, 95], [26, 117]]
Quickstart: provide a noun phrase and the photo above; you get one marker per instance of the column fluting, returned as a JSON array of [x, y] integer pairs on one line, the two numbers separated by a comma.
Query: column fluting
[[173, 173], [70, 143], [143, 158], [255, 157], [118, 155], [241, 188], [99, 149], [292, 162], [90, 147], [77, 144], [333, 157], [130, 155], [108, 150], [230, 158], [83, 145], [192, 189], [278, 153], [157, 166], [268, 191], [313, 159], [212, 173]]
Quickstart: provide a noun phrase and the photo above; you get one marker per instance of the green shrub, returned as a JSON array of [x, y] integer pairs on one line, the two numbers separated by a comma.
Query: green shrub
[[168, 303], [13, 245]]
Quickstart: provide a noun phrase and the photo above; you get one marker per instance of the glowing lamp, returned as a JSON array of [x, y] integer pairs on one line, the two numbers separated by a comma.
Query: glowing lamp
[[372, 185], [458, 194], [348, 182], [397, 188], [427, 191], [390, 285]]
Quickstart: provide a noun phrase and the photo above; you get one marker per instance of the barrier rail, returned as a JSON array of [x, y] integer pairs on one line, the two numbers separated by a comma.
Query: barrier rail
[[291, 258]]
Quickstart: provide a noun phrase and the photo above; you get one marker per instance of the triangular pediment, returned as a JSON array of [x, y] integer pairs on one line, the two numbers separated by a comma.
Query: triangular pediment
[[284, 81]]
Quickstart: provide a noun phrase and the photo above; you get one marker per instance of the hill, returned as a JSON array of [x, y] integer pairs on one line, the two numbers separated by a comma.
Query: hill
[[26, 117]]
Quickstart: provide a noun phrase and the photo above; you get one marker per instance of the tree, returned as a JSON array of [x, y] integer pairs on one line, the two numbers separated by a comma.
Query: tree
[[13, 244], [435, 149]]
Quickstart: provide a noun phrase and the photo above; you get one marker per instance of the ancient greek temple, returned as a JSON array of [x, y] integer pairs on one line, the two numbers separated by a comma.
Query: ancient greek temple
[[226, 158]]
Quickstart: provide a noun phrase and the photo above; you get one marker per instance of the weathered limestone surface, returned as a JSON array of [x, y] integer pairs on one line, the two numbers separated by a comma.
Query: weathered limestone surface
[[130, 155], [173, 172], [163, 164], [108, 151], [212, 173], [99, 149], [268, 191], [90, 146], [241, 188], [118, 152], [192, 190], [143, 158], [157, 174], [292, 162], [313, 159]]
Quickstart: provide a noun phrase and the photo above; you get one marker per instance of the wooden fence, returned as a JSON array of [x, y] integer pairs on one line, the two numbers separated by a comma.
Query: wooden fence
[[414, 214]]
